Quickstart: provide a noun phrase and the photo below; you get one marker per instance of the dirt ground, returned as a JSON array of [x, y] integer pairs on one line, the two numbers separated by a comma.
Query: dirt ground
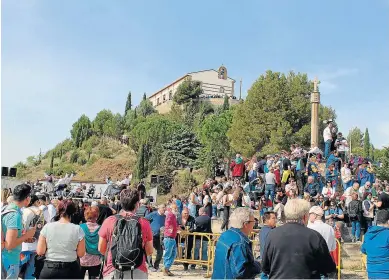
[[179, 273]]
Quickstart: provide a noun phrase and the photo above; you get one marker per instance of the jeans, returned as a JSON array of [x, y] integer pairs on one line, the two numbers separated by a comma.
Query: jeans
[[30, 267], [347, 185], [204, 250], [226, 217], [369, 223], [270, 189], [157, 246], [170, 252], [214, 210], [136, 274], [327, 148], [58, 270], [93, 271], [356, 229], [12, 271]]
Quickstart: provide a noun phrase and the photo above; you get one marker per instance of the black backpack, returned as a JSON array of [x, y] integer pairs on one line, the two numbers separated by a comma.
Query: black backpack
[[126, 245]]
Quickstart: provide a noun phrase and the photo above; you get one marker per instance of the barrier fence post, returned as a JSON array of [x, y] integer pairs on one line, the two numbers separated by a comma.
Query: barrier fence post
[[338, 255]]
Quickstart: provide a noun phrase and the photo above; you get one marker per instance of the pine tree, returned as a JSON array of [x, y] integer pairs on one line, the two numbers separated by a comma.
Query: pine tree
[[366, 144], [128, 104], [144, 96], [383, 169], [226, 103], [135, 115], [183, 149]]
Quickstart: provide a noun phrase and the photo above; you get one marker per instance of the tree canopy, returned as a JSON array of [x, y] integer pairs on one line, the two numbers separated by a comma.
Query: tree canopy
[[355, 139], [146, 108], [81, 130], [187, 91], [383, 170], [276, 113]]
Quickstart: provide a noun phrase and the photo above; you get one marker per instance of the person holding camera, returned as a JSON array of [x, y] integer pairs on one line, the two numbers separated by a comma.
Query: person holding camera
[[333, 214]]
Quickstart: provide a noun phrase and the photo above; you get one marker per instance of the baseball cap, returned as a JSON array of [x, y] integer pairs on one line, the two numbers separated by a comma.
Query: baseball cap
[[316, 210]]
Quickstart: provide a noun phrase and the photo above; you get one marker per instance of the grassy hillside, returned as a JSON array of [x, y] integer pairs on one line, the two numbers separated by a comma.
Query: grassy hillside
[[107, 157]]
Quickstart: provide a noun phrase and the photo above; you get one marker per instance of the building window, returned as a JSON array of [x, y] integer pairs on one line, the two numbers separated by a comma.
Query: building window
[[221, 90], [157, 101], [164, 97], [170, 95]]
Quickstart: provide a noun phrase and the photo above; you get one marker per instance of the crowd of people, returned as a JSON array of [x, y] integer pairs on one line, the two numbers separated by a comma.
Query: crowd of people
[[300, 202]]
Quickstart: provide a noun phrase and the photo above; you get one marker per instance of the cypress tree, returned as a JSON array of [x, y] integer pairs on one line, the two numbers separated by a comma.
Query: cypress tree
[[366, 144], [52, 161], [140, 171], [226, 103], [128, 103]]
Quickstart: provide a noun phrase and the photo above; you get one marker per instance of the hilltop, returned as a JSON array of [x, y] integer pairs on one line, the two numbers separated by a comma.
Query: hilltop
[[107, 157]]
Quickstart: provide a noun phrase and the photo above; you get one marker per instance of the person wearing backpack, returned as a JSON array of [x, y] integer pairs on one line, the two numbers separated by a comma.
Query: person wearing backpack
[[91, 262], [32, 217], [11, 231], [355, 214], [125, 240]]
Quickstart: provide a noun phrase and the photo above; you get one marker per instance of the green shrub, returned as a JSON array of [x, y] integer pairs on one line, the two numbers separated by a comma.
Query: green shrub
[[74, 156], [82, 160], [93, 159], [62, 169]]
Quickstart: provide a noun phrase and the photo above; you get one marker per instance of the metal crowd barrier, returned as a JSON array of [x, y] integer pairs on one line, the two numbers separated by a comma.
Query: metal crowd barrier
[[202, 249], [191, 249], [195, 248], [338, 260]]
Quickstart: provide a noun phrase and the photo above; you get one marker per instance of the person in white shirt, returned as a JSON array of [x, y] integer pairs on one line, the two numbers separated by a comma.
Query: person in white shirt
[[364, 189], [329, 190], [32, 215], [270, 180], [341, 146], [349, 192], [345, 172], [316, 223], [327, 135]]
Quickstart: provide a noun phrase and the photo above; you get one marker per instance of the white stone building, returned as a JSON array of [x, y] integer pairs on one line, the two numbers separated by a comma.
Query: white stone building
[[215, 84]]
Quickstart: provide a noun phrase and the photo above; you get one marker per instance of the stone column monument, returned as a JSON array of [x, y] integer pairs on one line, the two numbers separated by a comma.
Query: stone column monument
[[315, 101]]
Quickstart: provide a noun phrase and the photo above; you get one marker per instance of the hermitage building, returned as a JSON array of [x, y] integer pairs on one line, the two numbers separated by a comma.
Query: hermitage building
[[214, 83]]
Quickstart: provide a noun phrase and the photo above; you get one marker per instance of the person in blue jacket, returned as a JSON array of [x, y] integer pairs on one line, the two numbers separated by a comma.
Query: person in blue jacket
[[234, 258], [363, 175], [376, 247]]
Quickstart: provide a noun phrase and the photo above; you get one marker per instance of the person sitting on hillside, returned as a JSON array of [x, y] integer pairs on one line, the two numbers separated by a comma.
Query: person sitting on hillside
[[376, 247]]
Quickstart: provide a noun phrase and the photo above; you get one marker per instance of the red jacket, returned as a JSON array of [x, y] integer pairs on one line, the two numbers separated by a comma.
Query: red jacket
[[170, 225], [237, 169], [278, 176]]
